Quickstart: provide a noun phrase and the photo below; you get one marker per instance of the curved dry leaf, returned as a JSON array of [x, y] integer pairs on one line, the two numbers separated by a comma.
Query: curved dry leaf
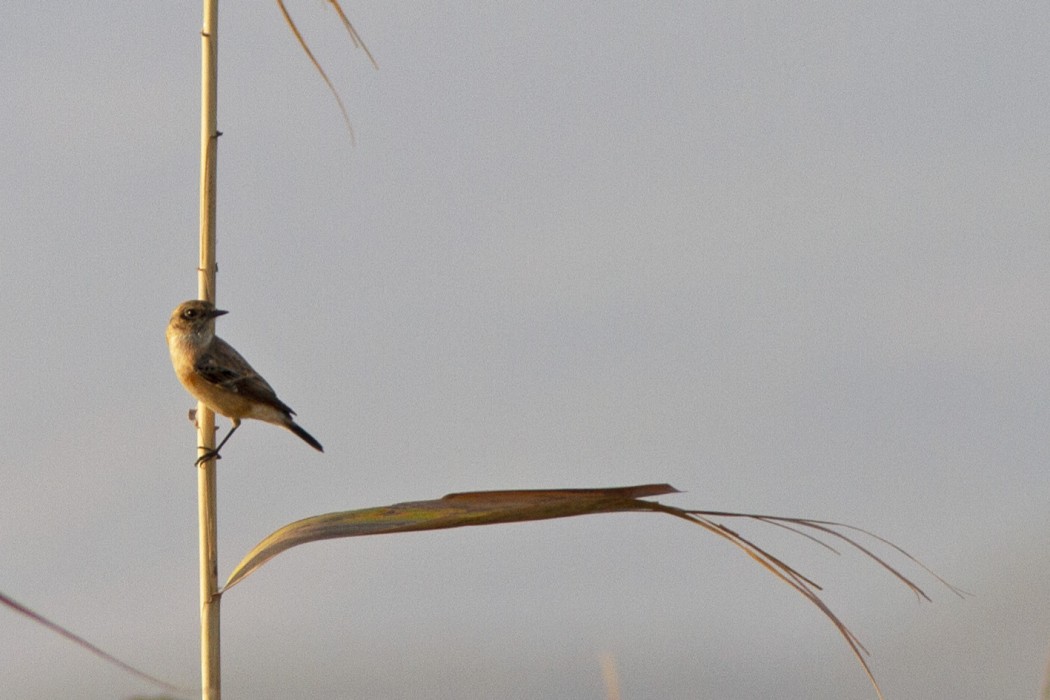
[[493, 507], [454, 510]]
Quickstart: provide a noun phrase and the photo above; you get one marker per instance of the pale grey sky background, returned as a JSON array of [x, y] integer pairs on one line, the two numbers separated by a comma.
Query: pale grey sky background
[[790, 258]]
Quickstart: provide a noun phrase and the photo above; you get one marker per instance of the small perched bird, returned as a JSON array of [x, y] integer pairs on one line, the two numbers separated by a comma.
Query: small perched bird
[[216, 374]]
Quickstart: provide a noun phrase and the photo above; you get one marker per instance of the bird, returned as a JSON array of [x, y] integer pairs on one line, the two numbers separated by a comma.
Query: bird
[[216, 374]]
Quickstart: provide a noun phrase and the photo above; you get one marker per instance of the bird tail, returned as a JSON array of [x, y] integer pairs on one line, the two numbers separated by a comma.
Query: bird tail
[[306, 437]]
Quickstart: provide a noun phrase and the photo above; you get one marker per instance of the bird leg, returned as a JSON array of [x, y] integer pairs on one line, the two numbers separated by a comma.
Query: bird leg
[[214, 454]]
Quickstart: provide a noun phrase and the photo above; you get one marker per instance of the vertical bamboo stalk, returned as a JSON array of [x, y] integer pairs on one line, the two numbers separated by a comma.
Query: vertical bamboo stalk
[[206, 484]]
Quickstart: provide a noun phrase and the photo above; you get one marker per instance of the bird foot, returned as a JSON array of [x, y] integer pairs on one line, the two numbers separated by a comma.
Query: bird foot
[[207, 456]]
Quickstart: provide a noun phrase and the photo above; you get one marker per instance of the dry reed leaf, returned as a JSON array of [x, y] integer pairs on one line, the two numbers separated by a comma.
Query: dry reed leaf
[[493, 507], [454, 510]]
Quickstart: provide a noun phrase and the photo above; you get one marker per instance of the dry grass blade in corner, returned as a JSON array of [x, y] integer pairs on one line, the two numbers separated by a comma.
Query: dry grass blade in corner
[[85, 644], [354, 37], [493, 507]]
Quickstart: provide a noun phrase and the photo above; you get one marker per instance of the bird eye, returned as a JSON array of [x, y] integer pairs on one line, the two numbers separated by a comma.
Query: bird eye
[[189, 313]]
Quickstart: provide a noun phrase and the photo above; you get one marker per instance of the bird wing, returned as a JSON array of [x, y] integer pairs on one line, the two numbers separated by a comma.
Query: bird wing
[[224, 367]]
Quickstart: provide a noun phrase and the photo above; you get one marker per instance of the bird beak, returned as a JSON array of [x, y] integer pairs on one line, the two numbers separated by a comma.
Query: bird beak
[[217, 312]]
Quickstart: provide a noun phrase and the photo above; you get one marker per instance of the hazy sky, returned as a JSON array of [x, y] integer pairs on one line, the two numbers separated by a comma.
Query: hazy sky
[[789, 259]]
